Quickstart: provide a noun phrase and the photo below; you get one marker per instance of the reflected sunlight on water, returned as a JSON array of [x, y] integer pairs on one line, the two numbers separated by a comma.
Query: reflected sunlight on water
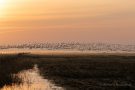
[[32, 80], [61, 52]]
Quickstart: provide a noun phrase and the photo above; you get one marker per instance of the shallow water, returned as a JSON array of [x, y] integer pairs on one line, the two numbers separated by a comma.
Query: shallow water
[[32, 80], [62, 52]]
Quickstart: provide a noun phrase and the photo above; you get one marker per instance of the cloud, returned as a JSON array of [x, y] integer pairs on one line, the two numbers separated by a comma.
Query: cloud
[[9, 31]]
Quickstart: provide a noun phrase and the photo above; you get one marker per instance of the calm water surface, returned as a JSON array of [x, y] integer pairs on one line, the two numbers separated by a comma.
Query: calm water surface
[[32, 80], [59, 52]]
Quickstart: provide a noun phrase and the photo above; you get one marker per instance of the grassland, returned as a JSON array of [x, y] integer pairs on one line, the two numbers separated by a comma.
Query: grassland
[[75, 72]]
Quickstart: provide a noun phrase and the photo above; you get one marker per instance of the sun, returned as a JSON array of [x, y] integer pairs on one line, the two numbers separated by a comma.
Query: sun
[[2, 3], [2, 7]]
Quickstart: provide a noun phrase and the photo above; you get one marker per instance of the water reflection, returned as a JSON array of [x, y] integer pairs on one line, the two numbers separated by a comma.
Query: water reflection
[[32, 80]]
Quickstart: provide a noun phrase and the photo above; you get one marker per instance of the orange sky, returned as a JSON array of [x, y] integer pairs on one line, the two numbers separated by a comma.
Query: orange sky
[[67, 20]]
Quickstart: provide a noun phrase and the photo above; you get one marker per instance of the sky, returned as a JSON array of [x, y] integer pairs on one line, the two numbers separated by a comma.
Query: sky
[[110, 21]]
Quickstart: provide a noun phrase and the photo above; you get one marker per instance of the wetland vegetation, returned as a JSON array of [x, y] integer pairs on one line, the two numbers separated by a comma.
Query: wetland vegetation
[[73, 72]]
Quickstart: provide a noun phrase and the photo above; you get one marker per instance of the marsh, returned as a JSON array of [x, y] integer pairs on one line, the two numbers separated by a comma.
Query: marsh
[[67, 71]]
